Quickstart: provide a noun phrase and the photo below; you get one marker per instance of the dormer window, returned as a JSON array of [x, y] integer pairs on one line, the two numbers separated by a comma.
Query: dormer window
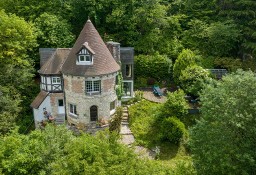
[[85, 55], [85, 58]]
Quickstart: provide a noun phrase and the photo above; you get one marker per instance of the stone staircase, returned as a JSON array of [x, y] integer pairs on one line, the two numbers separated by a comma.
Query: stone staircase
[[126, 133], [60, 119]]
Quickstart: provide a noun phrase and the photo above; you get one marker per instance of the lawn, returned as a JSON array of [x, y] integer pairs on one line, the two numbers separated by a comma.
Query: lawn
[[145, 127]]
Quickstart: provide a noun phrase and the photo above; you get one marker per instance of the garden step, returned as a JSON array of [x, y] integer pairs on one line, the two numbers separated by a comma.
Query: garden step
[[125, 110], [125, 114], [124, 123], [126, 133], [125, 117]]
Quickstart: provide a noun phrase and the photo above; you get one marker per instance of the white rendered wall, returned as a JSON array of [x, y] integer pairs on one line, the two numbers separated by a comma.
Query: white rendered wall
[[39, 113]]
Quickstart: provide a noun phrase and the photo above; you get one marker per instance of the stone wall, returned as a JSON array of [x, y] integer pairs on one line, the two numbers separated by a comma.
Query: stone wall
[[75, 94]]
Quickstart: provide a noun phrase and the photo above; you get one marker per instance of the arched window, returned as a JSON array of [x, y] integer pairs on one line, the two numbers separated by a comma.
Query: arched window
[[94, 113]]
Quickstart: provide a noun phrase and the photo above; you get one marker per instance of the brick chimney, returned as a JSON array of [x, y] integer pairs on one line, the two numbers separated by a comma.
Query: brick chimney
[[114, 49]]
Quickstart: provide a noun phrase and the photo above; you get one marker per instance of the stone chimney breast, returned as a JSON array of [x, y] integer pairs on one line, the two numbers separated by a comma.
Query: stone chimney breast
[[114, 49]]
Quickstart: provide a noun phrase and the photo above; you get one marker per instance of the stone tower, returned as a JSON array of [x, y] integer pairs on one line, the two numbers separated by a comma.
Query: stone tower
[[89, 75]]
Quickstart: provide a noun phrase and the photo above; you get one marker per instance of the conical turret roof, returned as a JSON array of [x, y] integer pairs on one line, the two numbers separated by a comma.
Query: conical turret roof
[[103, 61]]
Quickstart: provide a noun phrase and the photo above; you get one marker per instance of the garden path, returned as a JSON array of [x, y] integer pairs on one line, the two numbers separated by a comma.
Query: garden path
[[126, 133], [128, 138]]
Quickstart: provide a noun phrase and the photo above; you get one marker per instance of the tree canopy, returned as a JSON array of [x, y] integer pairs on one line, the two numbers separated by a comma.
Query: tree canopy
[[222, 142], [17, 39], [55, 150]]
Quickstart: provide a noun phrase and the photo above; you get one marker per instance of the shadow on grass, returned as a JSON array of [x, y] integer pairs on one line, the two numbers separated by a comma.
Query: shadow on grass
[[168, 151]]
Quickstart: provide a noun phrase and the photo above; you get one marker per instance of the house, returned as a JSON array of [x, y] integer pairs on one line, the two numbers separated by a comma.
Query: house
[[78, 84]]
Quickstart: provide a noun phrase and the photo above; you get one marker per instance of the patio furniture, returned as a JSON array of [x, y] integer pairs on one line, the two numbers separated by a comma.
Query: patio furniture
[[157, 91]]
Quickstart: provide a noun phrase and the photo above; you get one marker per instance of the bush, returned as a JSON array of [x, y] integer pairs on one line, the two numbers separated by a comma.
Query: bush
[[186, 58], [193, 79], [140, 82], [115, 123], [229, 63], [138, 96], [172, 130], [175, 105], [156, 67]]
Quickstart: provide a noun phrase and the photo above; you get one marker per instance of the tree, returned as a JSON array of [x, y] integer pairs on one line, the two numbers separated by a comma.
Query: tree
[[222, 142], [55, 150], [9, 108], [186, 58], [17, 38], [53, 31], [193, 78], [216, 39], [30, 10], [242, 12], [175, 105]]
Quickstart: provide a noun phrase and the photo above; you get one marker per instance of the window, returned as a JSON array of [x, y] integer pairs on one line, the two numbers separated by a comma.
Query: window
[[127, 88], [56, 80], [60, 102], [72, 109], [112, 105], [85, 58], [93, 86], [128, 70]]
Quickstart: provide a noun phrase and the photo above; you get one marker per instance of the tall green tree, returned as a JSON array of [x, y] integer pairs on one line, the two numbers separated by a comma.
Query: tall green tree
[[32, 9], [193, 79], [55, 150], [17, 39], [186, 58], [222, 142], [217, 39], [53, 31], [242, 12]]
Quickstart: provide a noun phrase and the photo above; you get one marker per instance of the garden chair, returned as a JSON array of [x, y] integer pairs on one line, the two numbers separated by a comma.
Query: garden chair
[[157, 91]]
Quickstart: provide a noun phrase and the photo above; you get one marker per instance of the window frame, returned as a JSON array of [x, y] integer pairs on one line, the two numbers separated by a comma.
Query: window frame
[[128, 70], [55, 80], [87, 58], [94, 88], [72, 109], [112, 107]]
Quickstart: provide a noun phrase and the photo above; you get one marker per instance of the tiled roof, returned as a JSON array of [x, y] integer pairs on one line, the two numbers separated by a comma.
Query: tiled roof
[[45, 54], [54, 63], [103, 62], [39, 99]]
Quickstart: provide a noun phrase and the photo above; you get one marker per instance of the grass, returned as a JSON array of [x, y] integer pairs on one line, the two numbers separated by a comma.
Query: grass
[[145, 127]]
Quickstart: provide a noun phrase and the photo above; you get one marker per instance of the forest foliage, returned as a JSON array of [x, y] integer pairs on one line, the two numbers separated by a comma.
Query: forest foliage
[[184, 36]]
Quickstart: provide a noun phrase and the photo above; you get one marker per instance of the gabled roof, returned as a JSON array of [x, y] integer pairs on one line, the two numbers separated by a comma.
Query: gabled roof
[[85, 45], [103, 61], [54, 64], [39, 99]]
